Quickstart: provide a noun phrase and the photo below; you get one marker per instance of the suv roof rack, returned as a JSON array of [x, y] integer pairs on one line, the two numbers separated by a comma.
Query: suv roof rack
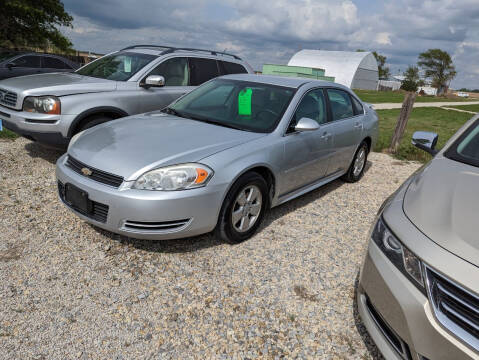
[[170, 49]]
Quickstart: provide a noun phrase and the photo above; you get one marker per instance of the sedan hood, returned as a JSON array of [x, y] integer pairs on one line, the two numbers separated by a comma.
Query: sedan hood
[[130, 146], [58, 84], [443, 202]]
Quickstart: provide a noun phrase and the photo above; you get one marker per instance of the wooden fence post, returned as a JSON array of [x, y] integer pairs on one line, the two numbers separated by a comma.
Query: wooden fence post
[[403, 118]]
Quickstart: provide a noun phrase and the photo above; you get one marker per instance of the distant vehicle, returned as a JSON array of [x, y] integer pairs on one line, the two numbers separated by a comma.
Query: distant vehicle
[[418, 293], [14, 64], [462, 94], [217, 158], [51, 108]]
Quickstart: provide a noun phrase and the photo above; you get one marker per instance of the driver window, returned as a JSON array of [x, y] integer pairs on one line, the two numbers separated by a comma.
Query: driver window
[[175, 71], [313, 106]]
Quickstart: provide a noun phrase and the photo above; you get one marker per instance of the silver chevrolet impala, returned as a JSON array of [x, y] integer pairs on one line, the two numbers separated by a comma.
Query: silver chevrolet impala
[[217, 158]]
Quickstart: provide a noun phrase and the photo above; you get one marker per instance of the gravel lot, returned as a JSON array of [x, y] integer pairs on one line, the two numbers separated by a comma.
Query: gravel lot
[[71, 291]]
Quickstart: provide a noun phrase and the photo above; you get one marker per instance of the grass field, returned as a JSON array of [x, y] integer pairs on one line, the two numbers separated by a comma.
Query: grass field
[[7, 134], [377, 97], [474, 108], [443, 122]]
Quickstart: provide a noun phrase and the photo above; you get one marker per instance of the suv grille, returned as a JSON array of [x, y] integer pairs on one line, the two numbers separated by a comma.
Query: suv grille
[[8, 98], [99, 211], [455, 308], [97, 175]]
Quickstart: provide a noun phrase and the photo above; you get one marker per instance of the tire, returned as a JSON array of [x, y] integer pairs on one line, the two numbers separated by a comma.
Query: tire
[[93, 121], [229, 226], [356, 169]]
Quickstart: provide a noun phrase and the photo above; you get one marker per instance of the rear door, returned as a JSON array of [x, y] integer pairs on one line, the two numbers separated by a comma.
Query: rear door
[[227, 67], [202, 70], [346, 128], [306, 154], [176, 72]]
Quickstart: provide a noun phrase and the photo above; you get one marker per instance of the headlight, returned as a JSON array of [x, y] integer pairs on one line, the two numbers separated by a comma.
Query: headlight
[[177, 177], [42, 104], [406, 261]]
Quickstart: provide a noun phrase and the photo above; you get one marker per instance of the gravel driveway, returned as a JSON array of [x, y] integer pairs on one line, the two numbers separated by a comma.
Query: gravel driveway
[[71, 291]]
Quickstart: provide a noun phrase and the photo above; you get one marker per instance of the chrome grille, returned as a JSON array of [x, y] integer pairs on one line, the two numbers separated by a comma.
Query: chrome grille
[[97, 175], [456, 308], [8, 98], [99, 211], [157, 227]]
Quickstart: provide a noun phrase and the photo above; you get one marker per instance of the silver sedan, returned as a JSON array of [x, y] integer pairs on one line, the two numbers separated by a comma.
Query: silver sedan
[[217, 158]]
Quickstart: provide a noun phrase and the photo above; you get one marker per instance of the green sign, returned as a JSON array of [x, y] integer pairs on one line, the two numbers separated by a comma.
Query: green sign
[[244, 101]]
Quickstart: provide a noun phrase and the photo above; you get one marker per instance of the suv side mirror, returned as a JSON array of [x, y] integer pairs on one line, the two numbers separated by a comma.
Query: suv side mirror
[[306, 124], [426, 141], [154, 81]]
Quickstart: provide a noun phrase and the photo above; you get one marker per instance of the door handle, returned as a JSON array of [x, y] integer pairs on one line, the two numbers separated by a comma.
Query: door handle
[[358, 124], [326, 136]]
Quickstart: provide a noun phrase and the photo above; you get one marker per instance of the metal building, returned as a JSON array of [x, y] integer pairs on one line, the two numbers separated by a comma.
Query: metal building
[[357, 70]]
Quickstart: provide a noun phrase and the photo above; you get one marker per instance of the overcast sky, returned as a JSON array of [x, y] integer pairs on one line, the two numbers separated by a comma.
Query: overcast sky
[[271, 31]]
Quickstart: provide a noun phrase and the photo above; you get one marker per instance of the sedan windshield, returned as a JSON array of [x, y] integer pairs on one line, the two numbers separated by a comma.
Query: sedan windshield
[[466, 148], [6, 55], [236, 104], [119, 66]]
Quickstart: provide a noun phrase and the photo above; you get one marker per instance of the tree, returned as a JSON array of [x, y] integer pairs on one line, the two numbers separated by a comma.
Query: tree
[[438, 67], [411, 79], [33, 23], [383, 70]]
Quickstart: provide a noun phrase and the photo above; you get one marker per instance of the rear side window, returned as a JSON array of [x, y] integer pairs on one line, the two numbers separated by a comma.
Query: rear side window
[[231, 68], [27, 61], [202, 70], [175, 71], [54, 63], [358, 107], [341, 105]]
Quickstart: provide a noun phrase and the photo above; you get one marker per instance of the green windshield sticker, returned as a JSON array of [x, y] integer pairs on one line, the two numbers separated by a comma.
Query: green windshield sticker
[[127, 64], [244, 101]]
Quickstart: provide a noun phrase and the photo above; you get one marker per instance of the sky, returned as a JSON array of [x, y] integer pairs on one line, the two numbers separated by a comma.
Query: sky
[[271, 31]]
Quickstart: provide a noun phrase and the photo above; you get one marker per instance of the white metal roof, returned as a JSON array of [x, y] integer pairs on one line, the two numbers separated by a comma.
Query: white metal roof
[[343, 65]]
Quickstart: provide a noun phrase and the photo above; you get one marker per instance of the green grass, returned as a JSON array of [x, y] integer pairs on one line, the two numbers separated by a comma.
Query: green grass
[[474, 108], [443, 122], [377, 97], [7, 134]]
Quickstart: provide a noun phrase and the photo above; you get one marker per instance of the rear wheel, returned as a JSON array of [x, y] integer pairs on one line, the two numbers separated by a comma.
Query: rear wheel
[[356, 170], [243, 209]]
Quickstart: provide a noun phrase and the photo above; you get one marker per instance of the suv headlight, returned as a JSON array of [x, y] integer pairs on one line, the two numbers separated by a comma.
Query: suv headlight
[[42, 105], [176, 177], [405, 260]]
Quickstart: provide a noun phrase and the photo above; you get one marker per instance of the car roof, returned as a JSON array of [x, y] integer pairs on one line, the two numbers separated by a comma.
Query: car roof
[[292, 82]]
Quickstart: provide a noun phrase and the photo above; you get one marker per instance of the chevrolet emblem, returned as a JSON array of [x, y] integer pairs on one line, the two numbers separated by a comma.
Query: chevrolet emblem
[[86, 171]]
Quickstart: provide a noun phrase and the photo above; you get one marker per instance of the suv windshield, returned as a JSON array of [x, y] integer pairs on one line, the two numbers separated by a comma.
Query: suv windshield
[[466, 148], [119, 66], [241, 105]]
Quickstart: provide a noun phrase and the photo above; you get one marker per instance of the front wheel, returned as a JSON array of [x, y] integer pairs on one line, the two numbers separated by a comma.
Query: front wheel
[[243, 209], [356, 170]]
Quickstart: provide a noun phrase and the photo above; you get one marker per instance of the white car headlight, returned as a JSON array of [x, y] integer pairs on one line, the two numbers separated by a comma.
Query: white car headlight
[[176, 177], [42, 105]]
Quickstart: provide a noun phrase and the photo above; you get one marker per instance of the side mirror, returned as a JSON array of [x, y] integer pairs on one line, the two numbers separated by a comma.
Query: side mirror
[[154, 81], [426, 141], [306, 124], [10, 66]]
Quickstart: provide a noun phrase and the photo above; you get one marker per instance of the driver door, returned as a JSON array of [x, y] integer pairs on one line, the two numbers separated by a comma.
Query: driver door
[[306, 154], [177, 79]]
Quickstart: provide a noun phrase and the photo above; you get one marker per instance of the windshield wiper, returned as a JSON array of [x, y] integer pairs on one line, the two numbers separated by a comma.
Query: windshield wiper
[[172, 111], [215, 122]]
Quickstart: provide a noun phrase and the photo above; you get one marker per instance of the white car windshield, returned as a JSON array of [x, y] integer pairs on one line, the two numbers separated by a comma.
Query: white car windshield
[[119, 66]]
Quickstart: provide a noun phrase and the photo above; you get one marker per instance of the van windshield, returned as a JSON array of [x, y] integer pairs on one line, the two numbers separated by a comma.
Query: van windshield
[[120, 66]]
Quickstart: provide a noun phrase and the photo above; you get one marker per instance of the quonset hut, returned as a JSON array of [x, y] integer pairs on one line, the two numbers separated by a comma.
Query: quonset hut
[[357, 70]]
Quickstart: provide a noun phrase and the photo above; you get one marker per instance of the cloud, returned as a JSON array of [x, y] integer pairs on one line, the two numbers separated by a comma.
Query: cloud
[[272, 31]]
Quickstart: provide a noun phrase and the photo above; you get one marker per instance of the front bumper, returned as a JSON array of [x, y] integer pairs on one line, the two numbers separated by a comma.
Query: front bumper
[[134, 212], [44, 128], [405, 311]]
